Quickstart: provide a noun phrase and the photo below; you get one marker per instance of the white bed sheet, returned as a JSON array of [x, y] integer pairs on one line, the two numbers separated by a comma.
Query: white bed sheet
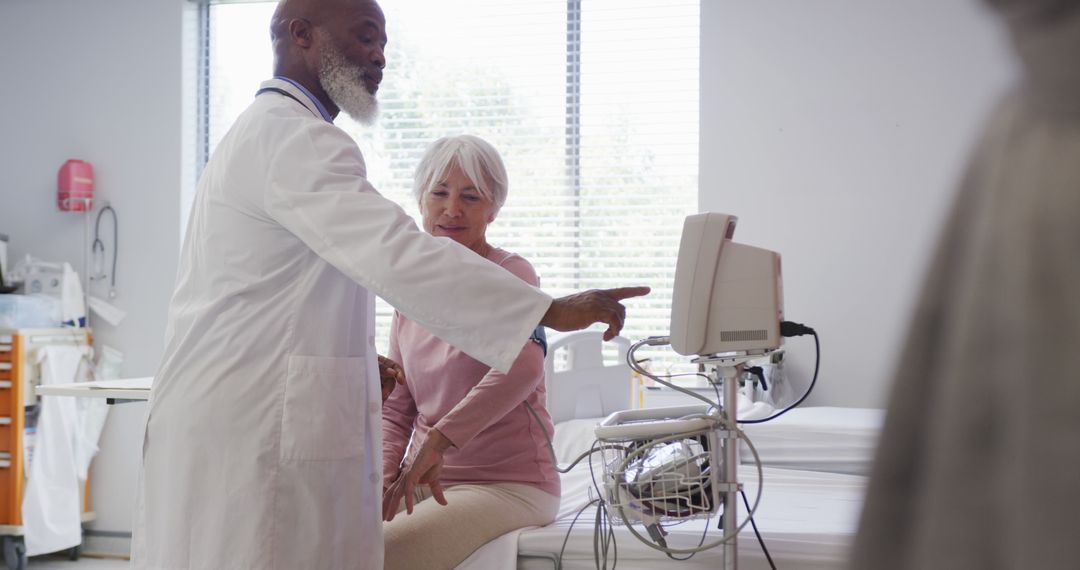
[[807, 519]]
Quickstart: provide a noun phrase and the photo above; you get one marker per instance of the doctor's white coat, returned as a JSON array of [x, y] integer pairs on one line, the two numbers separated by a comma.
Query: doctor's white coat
[[263, 445]]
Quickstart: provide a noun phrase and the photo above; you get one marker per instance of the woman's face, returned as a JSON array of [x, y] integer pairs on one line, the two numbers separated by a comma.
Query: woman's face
[[455, 208]]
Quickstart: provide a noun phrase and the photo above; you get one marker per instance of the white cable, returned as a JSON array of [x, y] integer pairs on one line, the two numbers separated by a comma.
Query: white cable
[[658, 341], [551, 445]]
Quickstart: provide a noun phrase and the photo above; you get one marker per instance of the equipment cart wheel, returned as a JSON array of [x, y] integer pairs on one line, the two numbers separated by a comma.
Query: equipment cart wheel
[[15, 553]]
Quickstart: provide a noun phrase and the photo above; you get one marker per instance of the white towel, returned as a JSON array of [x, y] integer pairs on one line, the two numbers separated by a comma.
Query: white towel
[[73, 307], [50, 508]]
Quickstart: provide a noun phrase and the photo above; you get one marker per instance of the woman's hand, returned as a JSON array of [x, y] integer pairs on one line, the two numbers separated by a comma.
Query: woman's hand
[[390, 375], [424, 469]]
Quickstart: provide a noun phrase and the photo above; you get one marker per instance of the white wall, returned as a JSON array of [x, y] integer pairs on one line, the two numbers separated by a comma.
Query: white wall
[[100, 81], [836, 130]]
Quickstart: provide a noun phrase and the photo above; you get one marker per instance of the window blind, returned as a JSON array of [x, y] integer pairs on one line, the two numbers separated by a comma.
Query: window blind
[[593, 105]]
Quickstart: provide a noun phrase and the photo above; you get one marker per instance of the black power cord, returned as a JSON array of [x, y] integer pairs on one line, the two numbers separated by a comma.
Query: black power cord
[[760, 540], [759, 373], [789, 329]]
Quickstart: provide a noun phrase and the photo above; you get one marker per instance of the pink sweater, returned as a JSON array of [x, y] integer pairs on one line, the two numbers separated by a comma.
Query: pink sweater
[[477, 408]]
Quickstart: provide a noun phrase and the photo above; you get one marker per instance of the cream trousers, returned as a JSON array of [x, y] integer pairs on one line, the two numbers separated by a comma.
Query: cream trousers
[[440, 537]]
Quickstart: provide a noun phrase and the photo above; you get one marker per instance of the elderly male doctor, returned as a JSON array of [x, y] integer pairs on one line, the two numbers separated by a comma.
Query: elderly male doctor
[[262, 448]]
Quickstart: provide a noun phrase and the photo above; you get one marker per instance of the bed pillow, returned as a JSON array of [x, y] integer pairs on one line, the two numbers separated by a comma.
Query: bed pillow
[[836, 440], [573, 437]]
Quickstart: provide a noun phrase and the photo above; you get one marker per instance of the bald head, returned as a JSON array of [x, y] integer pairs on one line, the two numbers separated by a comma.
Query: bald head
[[307, 34], [314, 13]]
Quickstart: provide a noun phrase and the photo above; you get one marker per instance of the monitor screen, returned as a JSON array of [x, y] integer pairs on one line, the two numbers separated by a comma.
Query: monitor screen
[[727, 296]]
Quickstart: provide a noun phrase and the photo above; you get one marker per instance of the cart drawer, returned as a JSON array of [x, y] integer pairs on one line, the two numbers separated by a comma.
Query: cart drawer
[[7, 397], [7, 435], [10, 492]]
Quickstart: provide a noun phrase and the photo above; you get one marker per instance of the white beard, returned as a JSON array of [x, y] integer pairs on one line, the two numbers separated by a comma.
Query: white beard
[[344, 83]]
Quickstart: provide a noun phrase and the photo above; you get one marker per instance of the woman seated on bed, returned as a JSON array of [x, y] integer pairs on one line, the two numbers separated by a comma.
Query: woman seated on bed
[[478, 465]]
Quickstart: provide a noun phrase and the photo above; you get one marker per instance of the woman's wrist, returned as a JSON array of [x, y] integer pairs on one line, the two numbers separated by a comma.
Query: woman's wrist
[[437, 441]]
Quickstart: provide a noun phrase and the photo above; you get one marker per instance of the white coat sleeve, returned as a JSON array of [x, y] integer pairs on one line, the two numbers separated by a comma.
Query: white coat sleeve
[[317, 190]]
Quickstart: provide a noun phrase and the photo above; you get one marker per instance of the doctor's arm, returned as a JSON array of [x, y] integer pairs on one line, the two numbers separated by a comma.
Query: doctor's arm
[[316, 190]]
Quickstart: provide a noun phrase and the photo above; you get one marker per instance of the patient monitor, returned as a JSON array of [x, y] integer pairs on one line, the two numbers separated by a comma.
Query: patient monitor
[[662, 465], [727, 296]]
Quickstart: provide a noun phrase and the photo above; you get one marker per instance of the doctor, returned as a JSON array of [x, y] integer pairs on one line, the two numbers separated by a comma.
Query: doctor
[[262, 448]]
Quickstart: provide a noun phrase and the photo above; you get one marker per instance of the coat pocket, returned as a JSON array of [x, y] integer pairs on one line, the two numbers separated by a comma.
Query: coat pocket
[[325, 403]]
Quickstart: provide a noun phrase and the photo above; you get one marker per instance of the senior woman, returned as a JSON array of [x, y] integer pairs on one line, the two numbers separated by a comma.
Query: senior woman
[[478, 465]]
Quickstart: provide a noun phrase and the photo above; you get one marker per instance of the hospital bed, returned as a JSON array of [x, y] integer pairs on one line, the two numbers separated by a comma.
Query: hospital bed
[[815, 462]]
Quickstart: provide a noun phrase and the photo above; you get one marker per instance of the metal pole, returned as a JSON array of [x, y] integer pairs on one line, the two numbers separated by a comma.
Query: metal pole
[[731, 467], [87, 205]]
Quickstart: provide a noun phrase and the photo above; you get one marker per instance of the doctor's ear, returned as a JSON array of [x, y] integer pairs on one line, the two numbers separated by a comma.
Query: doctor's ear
[[301, 32]]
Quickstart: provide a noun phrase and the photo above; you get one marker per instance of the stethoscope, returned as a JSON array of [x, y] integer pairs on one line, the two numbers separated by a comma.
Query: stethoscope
[[97, 250]]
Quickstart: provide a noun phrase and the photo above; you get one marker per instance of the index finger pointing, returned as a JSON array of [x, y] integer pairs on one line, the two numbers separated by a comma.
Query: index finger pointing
[[620, 293]]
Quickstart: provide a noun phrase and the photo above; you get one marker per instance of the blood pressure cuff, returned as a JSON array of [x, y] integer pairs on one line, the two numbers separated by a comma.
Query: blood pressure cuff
[[540, 337]]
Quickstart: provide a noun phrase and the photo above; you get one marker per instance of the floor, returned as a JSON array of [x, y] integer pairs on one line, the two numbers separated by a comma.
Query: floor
[[58, 562]]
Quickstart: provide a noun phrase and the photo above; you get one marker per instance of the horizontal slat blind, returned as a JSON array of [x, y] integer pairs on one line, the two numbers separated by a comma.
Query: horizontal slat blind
[[592, 103]]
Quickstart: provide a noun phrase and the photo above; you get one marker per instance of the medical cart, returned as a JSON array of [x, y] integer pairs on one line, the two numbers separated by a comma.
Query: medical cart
[[18, 376]]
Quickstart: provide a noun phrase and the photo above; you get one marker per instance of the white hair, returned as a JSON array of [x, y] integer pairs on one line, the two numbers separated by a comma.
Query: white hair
[[343, 81], [476, 158]]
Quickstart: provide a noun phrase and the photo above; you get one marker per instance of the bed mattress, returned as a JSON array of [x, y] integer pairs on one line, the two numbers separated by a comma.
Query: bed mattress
[[815, 462], [835, 440]]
